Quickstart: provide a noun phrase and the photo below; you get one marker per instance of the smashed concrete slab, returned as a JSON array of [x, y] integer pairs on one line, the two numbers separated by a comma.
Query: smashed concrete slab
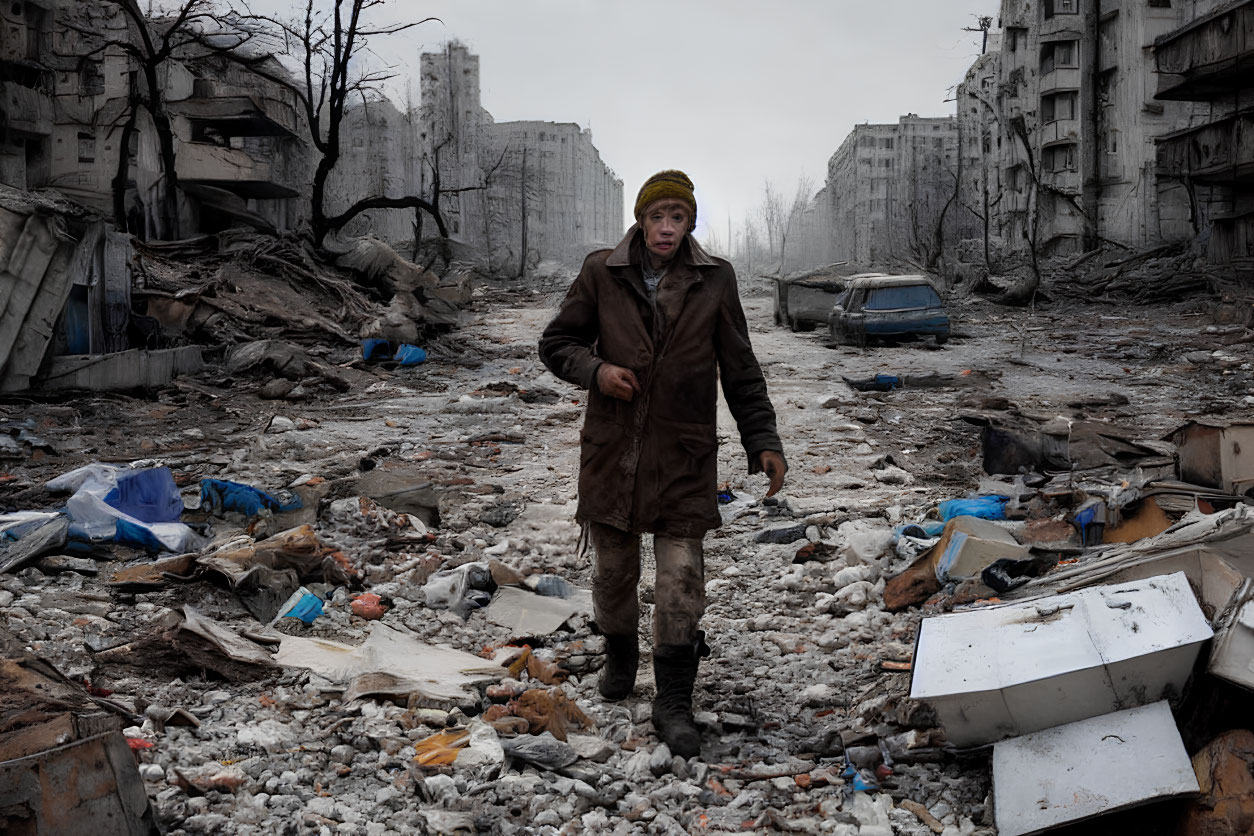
[[1089, 768], [391, 662], [527, 614], [997, 672], [1216, 454]]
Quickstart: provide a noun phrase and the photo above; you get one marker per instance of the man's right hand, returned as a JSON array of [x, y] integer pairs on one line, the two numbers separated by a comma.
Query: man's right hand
[[617, 382]]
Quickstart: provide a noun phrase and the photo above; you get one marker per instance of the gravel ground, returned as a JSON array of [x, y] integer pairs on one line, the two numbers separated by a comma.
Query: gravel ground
[[796, 686]]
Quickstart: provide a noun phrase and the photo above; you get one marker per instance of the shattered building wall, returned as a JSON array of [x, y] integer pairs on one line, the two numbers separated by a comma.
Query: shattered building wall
[[1206, 67], [1058, 126], [26, 93], [552, 195]]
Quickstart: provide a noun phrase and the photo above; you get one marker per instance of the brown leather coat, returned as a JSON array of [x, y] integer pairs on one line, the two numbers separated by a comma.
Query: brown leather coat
[[652, 464]]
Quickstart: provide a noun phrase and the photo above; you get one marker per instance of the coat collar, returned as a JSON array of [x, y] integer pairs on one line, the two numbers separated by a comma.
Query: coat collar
[[691, 252]]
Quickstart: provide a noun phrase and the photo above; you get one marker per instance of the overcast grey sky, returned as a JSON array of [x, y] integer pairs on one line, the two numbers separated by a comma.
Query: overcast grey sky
[[730, 91]]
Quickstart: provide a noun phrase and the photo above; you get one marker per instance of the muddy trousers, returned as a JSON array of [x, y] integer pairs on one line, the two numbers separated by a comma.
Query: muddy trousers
[[679, 593]]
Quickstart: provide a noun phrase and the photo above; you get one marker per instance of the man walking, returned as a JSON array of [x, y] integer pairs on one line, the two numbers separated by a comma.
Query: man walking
[[648, 328]]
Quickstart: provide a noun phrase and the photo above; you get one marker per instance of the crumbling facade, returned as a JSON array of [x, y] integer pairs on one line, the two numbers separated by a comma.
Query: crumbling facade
[[507, 189], [1058, 121], [72, 121], [1206, 68]]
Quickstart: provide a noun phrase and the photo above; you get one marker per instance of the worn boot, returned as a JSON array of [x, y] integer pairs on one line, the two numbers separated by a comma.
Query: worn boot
[[675, 669], [622, 657]]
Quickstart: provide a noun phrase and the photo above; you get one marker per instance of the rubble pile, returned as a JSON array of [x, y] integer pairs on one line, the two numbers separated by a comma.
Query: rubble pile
[[368, 610]]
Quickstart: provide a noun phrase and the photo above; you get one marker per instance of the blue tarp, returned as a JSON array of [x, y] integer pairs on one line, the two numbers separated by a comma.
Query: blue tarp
[[984, 507], [147, 495], [218, 496]]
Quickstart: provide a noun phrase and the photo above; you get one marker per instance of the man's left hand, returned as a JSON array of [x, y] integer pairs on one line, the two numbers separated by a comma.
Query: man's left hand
[[773, 465]]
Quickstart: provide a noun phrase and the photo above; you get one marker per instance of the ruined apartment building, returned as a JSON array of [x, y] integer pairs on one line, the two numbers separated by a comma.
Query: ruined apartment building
[[504, 188], [886, 187], [1205, 67], [1058, 123], [65, 92]]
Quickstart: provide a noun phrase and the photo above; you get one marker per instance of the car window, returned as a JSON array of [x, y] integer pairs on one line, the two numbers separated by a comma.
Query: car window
[[905, 297], [843, 299]]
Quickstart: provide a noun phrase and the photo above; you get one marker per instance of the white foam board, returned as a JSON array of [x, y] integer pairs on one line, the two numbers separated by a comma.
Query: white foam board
[[1001, 671], [1089, 768]]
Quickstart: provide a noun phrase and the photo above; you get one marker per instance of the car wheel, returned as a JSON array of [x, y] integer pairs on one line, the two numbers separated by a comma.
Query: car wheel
[[941, 339]]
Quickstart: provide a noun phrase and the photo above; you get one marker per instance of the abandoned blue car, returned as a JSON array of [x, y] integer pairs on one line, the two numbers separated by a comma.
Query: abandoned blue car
[[888, 308]]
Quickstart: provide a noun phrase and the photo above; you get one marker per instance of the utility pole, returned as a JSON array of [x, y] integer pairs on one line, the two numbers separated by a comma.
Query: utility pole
[[982, 25]]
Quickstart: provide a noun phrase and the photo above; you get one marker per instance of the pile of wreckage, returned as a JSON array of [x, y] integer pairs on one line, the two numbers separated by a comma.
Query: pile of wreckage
[[1086, 613], [300, 564], [83, 306]]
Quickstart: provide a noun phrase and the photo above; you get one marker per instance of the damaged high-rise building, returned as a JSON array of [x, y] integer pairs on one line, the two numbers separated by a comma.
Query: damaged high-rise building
[[889, 189], [70, 97], [1095, 122], [507, 188]]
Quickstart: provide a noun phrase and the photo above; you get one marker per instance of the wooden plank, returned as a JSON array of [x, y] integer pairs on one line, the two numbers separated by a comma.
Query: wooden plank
[[22, 280], [116, 310], [32, 342]]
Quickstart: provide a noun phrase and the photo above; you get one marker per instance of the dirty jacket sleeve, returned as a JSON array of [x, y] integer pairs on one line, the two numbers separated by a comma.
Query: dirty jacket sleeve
[[567, 346], [744, 386]]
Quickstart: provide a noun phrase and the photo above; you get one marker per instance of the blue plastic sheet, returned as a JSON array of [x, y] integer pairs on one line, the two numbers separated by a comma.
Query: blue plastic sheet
[[218, 496], [410, 355], [147, 495], [307, 609], [376, 350], [984, 507], [920, 530]]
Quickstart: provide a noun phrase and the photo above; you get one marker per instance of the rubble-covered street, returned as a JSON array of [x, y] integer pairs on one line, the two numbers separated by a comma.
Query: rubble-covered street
[[245, 727]]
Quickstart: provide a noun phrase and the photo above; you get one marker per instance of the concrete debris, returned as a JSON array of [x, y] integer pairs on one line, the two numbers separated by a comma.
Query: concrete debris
[[429, 513]]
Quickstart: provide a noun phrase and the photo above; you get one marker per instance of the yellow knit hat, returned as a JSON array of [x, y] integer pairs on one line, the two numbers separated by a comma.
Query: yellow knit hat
[[670, 184]]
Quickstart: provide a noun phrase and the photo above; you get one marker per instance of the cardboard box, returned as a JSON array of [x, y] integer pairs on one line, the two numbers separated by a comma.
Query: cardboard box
[[998, 672], [1216, 454], [1232, 653], [1100, 765]]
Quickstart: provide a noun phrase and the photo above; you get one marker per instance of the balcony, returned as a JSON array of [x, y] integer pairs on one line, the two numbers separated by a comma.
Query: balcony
[[1060, 130], [1221, 152], [236, 170], [254, 115], [1063, 78], [1208, 58]]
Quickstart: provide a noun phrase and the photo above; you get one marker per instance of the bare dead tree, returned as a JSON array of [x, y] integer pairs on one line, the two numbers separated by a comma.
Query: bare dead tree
[[152, 40], [795, 215], [331, 47], [773, 216]]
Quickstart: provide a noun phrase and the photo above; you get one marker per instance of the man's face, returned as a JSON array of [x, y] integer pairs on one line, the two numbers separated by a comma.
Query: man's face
[[666, 223]]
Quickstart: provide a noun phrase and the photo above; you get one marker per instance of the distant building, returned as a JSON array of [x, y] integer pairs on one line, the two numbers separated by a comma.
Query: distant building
[[1206, 67], [886, 188]]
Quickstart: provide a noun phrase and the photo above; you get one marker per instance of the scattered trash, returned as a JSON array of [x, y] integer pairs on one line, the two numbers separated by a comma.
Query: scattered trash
[[390, 662], [37, 536], [465, 588], [303, 605], [543, 750], [1216, 454], [981, 507], [995, 672], [369, 606], [970, 544], [218, 497], [532, 614], [1089, 768]]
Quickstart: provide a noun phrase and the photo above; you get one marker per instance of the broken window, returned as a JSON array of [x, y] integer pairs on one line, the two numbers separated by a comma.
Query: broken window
[[86, 147], [1160, 4], [1060, 7], [91, 80], [1012, 178], [1056, 106], [1059, 158]]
